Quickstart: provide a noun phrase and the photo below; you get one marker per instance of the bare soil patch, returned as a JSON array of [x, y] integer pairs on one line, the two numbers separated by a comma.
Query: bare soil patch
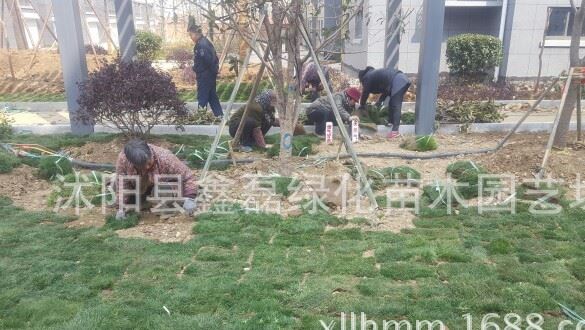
[[45, 75], [177, 229], [86, 218], [106, 153], [521, 157], [25, 189]]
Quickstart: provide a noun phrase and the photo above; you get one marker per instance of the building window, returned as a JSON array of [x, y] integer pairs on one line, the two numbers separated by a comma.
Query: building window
[[359, 24], [560, 22]]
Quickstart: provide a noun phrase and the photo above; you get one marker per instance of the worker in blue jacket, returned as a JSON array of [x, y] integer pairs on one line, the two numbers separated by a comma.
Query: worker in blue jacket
[[206, 68]]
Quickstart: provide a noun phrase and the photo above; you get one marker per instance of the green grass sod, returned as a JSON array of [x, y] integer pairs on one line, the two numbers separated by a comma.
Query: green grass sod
[[257, 271]]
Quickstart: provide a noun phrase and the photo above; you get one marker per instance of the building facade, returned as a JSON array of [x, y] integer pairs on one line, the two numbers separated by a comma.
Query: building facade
[[24, 25], [387, 34]]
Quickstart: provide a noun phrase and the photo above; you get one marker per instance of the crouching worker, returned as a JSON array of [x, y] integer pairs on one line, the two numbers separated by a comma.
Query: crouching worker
[[258, 121], [321, 111], [392, 85], [310, 80], [148, 161]]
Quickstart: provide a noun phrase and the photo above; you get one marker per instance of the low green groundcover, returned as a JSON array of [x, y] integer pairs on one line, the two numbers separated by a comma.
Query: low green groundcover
[[259, 271]]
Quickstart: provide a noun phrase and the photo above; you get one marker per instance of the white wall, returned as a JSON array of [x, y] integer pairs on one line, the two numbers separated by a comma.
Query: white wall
[[458, 20], [526, 23]]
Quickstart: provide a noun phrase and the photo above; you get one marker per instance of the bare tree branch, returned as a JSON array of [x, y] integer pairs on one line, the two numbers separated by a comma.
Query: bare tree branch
[[334, 35]]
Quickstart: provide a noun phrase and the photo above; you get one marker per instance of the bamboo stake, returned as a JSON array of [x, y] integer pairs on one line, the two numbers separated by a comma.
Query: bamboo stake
[[18, 31], [111, 44], [31, 64], [339, 149], [3, 25], [347, 140], [8, 51], [10, 61], [531, 110], [97, 62], [238, 135], [556, 125], [48, 17], [225, 49], [231, 102], [579, 137], [26, 29], [106, 27]]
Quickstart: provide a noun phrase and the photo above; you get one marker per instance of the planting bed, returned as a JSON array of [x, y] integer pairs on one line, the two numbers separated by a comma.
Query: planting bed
[[521, 157]]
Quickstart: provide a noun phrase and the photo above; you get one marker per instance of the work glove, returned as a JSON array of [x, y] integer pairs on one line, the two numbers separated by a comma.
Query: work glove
[[352, 118], [120, 215], [189, 205]]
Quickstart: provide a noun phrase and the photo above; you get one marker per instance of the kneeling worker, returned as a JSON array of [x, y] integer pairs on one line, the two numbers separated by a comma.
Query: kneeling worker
[[148, 161], [259, 119], [321, 111]]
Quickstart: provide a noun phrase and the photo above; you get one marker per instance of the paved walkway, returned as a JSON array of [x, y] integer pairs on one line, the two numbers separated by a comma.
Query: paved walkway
[[28, 117]]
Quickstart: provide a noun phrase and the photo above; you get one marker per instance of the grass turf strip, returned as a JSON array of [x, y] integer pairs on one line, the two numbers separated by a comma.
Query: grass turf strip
[[264, 272]]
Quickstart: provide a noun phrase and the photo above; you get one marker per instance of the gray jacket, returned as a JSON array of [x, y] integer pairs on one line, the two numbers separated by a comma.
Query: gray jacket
[[323, 103]]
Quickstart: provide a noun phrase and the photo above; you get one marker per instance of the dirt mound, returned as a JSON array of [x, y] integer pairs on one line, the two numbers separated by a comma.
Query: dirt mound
[[106, 152], [177, 229], [151, 226], [86, 218], [523, 155], [97, 152], [25, 189]]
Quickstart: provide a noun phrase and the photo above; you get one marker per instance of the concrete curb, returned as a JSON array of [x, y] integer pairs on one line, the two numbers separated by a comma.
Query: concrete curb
[[62, 106], [211, 130]]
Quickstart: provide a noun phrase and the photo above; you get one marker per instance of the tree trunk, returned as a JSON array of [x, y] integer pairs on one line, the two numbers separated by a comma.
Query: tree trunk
[[566, 115], [560, 138], [291, 83], [286, 137]]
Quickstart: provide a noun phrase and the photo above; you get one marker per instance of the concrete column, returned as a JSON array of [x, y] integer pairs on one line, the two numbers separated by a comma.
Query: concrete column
[[392, 47], [126, 30], [502, 35], [433, 18], [73, 62]]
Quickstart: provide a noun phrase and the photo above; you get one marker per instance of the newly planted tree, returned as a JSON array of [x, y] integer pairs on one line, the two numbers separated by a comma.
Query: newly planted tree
[[282, 37], [560, 138]]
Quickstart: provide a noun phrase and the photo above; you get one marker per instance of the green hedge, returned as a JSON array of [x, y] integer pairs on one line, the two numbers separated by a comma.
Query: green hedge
[[148, 45], [473, 54]]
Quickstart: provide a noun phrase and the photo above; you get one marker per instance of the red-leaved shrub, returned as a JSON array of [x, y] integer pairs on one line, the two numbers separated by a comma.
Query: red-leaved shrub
[[131, 96]]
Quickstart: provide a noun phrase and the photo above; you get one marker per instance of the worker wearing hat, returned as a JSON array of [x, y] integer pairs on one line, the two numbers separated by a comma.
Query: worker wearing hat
[[321, 111], [206, 68]]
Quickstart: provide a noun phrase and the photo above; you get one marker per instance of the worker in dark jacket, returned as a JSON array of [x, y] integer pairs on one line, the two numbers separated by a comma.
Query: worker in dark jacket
[[206, 68], [310, 80], [258, 121], [392, 85], [321, 111]]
